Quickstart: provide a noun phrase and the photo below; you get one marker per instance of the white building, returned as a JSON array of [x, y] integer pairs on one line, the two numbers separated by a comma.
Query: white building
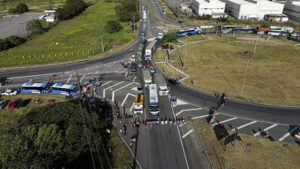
[[292, 9], [215, 8], [252, 9]]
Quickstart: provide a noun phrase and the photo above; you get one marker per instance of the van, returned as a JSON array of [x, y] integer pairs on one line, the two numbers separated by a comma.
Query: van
[[133, 67]]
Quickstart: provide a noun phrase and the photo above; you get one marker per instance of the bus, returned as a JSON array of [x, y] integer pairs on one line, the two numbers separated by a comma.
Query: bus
[[65, 89], [230, 28], [35, 88], [245, 30], [163, 89], [154, 104], [146, 76], [139, 104], [184, 32], [150, 49]]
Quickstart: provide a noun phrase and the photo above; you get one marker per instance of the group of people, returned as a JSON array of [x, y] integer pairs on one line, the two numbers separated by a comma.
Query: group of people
[[221, 101]]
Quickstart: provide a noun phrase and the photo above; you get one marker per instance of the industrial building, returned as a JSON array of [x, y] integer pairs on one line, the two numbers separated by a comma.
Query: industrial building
[[292, 9], [252, 9], [215, 8]]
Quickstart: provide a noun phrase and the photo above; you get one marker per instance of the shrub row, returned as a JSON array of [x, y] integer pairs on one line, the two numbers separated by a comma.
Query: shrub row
[[20, 8], [70, 9], [11, 42]]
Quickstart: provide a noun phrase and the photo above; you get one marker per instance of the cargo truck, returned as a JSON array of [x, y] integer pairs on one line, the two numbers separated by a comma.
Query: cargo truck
[[163, 89]]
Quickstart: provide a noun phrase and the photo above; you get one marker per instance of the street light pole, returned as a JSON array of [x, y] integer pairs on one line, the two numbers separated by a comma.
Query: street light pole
[[185, 51]]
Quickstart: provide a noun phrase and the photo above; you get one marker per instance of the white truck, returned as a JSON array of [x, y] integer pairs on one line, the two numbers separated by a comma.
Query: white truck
[[163, 89], [150, 49], [146, 76], [144, 15]]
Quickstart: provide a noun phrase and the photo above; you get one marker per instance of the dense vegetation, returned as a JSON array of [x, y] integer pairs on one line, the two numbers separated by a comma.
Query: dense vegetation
[[55, 136], [70, 9], [11, 42], [113, 26], [19, 9], [126, 10]]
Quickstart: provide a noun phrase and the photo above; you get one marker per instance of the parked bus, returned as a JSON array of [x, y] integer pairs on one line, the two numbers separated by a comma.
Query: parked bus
[[230, 28], [147, 77], [35, 88], [139, 104], [154, 104], [64, 89], [184, 32], [163, 89], [150, 49]]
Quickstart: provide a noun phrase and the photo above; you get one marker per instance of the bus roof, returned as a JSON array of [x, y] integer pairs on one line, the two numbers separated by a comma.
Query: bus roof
[[184, 30], [151, 44], [64, 86], [153, 93], [34, 85]]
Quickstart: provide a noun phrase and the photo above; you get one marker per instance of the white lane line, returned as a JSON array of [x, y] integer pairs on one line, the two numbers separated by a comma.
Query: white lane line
[[128, 94], [245, 125], [181, 111], [69, 78], [126, 74], [113, 93], [199, 117], [134, 78], [30, 80], [287, 134], [109, 88], [224, 121], [82, 78], [266, 129], [106, 83], [131, 107], [186, 134]]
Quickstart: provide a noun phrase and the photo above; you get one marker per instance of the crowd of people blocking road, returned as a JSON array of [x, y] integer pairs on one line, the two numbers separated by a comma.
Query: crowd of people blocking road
[[221, 101]]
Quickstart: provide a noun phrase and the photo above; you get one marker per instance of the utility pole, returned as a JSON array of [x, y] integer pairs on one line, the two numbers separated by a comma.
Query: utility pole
[[185, 51], [78, 85], [100, 33]]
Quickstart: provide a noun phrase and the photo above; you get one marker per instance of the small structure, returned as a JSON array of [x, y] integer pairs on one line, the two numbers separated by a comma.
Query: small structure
[[292, 9], [252, 9], [276, 17], [215, 8]]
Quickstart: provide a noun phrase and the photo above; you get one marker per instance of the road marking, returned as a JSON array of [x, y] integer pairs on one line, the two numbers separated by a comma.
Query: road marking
[[30, 80], [181, 111], [69, 78], [224, 121], [245, 125], [106, 83], [126, 74], [266, 129], [199, 117], [29, 76], [131, 107], [126, 98], [134, 78], [89, 85], [82, 78], [287, 134], [129, 148], [109, 88], [186, 134], [113, 93]]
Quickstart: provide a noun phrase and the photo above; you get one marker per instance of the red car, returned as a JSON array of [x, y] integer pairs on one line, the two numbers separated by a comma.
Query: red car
[[148, 63], [12, 104]]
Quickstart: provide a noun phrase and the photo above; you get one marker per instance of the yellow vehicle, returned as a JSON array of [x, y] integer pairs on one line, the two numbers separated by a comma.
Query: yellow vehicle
[[139, 104]]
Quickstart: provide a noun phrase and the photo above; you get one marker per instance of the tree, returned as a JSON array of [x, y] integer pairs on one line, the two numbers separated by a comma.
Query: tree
[[169, 38], [113, 26], [5, 44], [22, 7], [34, 26], [16, 40], [62, 14]]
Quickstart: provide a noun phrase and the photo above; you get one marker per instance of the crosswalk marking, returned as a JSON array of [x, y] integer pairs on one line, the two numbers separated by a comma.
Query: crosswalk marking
[[186, 134], [266, 129], [287, 134], [188, 110], [113, 93], [106, 83], [82, 78], [245, 125], [69, 78], [199, 117], [110, 87], [224, 121], [128, 94]]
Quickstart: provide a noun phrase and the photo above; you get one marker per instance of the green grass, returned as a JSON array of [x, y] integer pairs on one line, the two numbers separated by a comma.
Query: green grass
[[71, 40], [218, 65], [262, 154], [31, 3]]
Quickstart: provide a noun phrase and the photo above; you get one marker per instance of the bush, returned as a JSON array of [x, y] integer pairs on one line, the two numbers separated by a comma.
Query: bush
[[126, 10], [265, 25], [4, 45], [223, 19], [169, 37], [204, 17], [34, 26], [16, 40], [70, 9], [113, 26], [20, 8]]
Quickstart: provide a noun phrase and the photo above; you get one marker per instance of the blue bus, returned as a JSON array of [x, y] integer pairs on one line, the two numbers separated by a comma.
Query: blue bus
[[35, 88], [65, 89], [184, 32]]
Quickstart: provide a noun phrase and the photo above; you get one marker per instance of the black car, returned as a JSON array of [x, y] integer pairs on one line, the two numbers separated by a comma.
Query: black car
[[22, 102], [133, 67]]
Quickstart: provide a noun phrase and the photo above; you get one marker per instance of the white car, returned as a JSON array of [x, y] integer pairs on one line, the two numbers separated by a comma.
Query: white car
[[9, 92], [160, 35], [132, 58]]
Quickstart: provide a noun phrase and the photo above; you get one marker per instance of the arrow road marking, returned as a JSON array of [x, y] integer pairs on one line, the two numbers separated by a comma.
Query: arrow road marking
[[109, 88], [287, 134], [224, 121], [186, 134], [188, 110], [266, 129], [245, 125], [113, 93]]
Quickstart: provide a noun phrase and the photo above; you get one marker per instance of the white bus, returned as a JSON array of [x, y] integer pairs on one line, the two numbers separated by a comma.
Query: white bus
[[154, 104], [150, 49]]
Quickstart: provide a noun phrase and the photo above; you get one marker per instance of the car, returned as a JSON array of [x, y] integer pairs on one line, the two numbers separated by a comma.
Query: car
[[139, 89], [152, 70], [12, 104], [297, 133], [140, 64], [173, 100], [10, 92], [2, 104], [148, 63], [132, 58], [133, 67], [160, 35]]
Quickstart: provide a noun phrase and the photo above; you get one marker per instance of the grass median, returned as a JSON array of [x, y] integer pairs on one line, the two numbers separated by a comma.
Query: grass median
[[218, 65], [247, 151], [70, 40]]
